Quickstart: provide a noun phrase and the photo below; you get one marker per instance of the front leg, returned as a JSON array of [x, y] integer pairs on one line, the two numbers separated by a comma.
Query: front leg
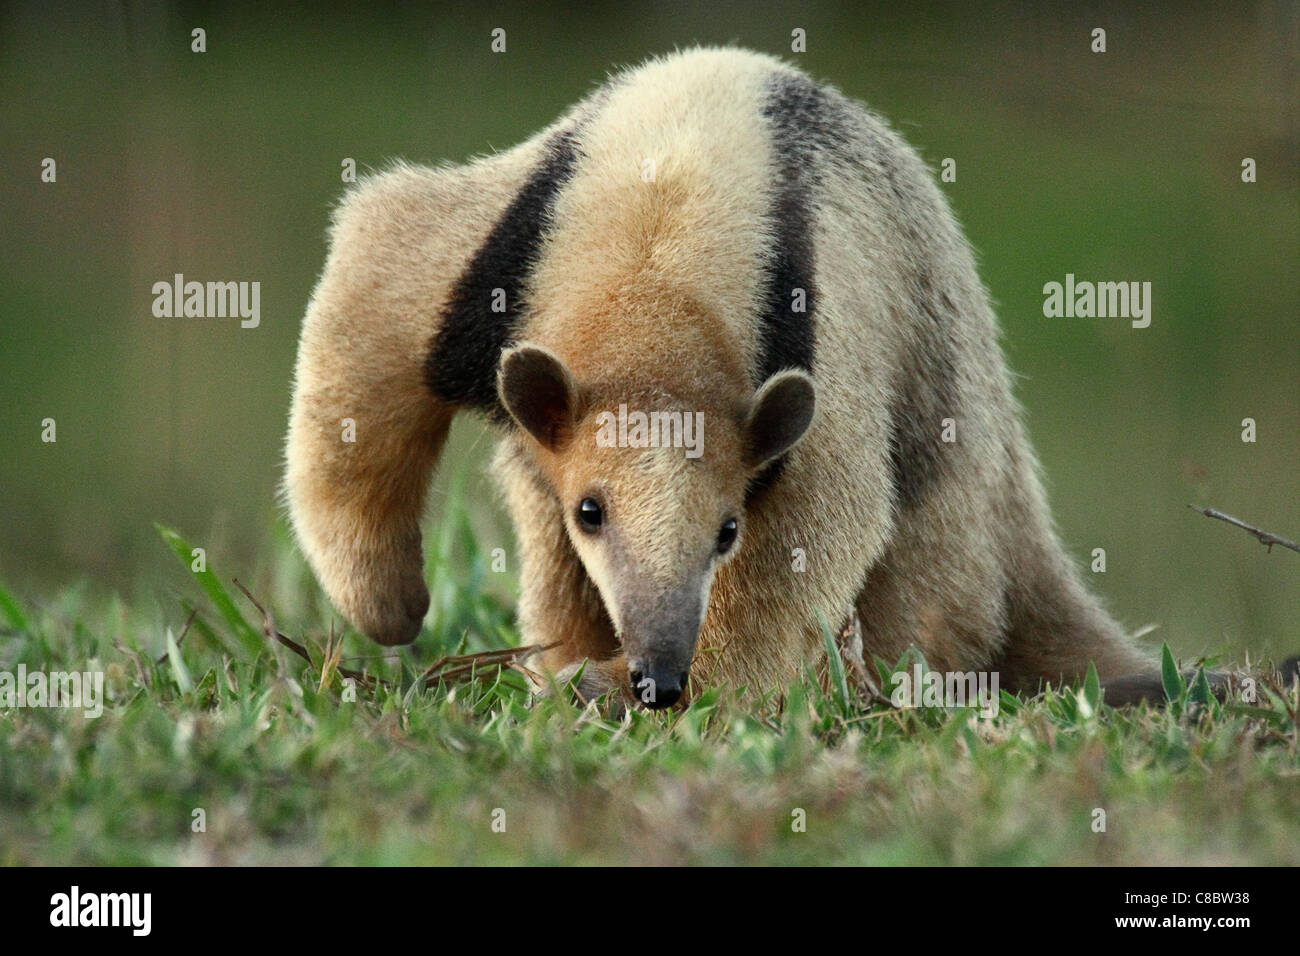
[[558, 604], [597, 679]]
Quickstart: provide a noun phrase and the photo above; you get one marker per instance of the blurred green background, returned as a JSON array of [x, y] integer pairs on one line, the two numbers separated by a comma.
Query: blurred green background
[[223, 166]]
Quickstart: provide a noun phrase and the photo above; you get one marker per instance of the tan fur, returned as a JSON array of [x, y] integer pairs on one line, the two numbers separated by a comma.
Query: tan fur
[[646, 294], [356, 506]]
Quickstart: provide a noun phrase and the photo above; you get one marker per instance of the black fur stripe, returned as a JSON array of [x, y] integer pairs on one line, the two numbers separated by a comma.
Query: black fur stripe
[[803, 121], [462, 364], [818, 133], [799, 115]]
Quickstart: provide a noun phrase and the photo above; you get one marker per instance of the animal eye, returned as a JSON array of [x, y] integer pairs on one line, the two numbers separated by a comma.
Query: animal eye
[[726, 535], [590, 514]]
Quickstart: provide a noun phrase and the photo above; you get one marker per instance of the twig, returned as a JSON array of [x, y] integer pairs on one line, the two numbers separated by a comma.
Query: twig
[[268, 628], [1266, 538], [145, 677], [458, 667], [450, 669]]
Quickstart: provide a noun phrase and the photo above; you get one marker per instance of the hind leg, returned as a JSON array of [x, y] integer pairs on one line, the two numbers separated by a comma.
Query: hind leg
[[938, 588]]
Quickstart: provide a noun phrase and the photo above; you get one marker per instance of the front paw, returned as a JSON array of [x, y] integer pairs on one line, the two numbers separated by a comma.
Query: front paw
[[589, 680]]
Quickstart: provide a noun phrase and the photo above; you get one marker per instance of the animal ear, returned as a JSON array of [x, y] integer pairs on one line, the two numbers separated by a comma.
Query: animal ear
[[781, 412], [539, 393]]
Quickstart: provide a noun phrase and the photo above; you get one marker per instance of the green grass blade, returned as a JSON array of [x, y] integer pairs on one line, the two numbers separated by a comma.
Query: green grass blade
[[886, 674], [1200, 690], [1172, 680], [249, 637], [11, 611], [1008, 704], [835, 663], [1092, 688], [180, 672]]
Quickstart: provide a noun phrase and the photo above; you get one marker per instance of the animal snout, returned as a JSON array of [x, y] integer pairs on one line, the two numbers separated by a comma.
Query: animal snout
[[657, 684]]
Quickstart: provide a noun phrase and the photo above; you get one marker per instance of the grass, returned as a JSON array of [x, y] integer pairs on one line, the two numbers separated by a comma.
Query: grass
[[289, 764]]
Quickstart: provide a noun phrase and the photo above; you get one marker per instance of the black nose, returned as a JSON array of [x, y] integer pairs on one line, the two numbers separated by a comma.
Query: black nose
[[656, 687]]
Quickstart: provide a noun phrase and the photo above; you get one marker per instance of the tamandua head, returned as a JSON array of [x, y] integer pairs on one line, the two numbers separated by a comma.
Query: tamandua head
[[651, 517]]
